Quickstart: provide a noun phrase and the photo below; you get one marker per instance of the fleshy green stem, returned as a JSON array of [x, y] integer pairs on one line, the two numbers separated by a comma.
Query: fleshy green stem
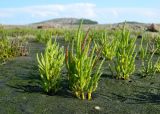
[[83, 97], [89, 96]]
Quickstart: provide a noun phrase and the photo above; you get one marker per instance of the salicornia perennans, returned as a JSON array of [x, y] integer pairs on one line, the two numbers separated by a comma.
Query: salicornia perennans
[[50, 65], [80, 64], [148, 68], [124, 62]]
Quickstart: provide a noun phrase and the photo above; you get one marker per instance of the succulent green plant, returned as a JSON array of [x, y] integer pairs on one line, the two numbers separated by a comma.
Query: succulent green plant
[[124, 62], [148, 68], [50, 65], [80, 63]]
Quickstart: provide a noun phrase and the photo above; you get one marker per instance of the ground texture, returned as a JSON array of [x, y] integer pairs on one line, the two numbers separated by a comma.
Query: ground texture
[[20, 92]]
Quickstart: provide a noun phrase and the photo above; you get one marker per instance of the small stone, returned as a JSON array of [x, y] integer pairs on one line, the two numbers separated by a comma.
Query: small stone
[[152, 28], [97, 108]]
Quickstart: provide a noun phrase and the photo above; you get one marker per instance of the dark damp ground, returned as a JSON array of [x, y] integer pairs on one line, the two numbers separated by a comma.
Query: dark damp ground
[[20, 92]]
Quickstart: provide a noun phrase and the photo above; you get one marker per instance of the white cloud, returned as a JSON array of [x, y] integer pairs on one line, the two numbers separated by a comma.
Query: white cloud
[[79, 10], [55, 10]]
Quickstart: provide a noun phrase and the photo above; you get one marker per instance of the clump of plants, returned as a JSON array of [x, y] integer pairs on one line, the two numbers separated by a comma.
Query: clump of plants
[[148, 67], [19, 47], [11, 48], [80, 64], [50, 65], [124, 62], [43, 36], [5, 50]]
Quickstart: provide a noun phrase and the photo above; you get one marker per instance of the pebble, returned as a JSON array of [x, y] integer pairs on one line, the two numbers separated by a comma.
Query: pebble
[[97, 108]]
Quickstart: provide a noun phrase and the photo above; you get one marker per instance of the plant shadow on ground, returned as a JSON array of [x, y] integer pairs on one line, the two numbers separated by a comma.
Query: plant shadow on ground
[[151, 95], [63, 92], [138, 97], [108, 76], [142, 93], [31, 84], [146, 97]]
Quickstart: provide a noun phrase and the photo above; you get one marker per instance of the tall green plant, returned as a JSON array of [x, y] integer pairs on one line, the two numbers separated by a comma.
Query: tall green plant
[[148, 68], [124, 62], [80, 64], [50, 65]]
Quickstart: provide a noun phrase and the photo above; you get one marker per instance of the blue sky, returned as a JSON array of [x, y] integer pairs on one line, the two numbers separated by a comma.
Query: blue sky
[[103, 11]]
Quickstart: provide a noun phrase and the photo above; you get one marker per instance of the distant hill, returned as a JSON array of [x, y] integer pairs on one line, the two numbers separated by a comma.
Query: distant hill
[[67, 21], [133, 23]]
